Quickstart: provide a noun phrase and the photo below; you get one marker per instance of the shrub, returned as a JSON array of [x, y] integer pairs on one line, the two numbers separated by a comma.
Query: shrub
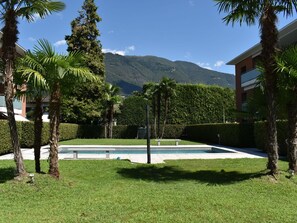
[[230, 134], [133, 111], [197, 104], [91, 131], [282, 134], [124, 132]]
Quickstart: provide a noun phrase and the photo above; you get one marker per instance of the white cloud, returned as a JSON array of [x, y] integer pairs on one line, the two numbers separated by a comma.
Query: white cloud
[[60, 43], [120, 52], [130, 48], [219, 63], [204, 65], [31, 39]]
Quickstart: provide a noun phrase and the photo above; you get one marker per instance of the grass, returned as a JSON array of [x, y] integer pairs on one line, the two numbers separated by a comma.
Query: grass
[[230, 190], [121, 142]]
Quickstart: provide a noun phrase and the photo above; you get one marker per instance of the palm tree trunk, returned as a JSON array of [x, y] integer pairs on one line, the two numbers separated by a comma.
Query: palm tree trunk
[[9, 39], [165, 117], [54, 131], [110, 121], [292, 137], [37, 132], [159, 113], [269, 40]]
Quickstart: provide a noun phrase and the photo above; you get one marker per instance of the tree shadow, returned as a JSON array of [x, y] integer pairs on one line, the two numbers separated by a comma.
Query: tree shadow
[[171, 173], [6, 174]]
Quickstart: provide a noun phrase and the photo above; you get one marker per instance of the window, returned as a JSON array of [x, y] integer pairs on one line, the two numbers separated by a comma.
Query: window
[[243, 70]]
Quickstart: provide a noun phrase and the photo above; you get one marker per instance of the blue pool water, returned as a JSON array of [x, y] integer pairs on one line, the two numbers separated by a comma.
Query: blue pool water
[[144, 151]]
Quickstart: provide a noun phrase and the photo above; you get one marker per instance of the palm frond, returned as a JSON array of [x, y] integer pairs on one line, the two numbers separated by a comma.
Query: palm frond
[[29, 8]]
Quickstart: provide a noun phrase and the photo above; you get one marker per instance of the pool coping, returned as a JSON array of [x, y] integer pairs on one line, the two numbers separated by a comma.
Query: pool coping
[[28, 154]]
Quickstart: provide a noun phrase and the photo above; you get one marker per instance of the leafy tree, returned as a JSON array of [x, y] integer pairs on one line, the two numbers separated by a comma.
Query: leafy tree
[[287, 68], [58, 72], [11, 10], [265, 11]]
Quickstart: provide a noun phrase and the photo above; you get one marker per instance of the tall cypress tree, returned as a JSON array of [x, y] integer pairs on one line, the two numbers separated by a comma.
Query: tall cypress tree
[[85, 35], [83, 104]]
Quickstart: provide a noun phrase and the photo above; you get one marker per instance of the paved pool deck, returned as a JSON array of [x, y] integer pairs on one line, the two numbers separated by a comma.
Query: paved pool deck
[[28, 154]]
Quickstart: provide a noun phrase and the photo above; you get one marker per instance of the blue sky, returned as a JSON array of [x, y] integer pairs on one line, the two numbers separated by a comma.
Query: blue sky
[[188, 30]]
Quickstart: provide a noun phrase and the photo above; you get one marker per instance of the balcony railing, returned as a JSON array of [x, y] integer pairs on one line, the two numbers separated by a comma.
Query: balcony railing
[[249, 76]]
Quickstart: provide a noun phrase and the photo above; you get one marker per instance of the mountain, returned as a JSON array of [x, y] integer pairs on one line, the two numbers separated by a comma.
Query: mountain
[[131, 72]]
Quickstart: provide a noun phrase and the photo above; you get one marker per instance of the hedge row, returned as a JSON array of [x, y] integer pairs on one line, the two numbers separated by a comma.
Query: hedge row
[[192, 104], [230, 134], [26, 134], [282, 134], [5, 141], [233, 134]]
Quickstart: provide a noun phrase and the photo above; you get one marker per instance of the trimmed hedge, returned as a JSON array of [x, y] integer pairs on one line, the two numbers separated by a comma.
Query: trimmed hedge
[[282, 134], [233, 134], [90, 131], [5, 141]]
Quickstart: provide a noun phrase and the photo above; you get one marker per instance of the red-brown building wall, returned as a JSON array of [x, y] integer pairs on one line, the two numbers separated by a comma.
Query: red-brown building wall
[[248, 63]]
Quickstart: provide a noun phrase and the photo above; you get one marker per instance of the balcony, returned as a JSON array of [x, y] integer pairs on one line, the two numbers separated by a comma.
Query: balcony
[[250, 78]]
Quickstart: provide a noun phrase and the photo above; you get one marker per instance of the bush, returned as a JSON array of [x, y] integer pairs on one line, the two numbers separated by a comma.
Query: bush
[[124, 132], [198, 104], [5, 140], [282, 134], [133, 111], [230, 134], [91, 131]]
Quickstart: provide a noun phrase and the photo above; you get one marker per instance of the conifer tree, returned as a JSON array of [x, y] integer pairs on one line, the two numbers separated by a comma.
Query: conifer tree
[[85, 35], [83, 105]]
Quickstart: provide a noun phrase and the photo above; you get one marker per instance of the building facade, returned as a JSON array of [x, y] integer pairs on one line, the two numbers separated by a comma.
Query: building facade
[[19, 105], [246, 73]]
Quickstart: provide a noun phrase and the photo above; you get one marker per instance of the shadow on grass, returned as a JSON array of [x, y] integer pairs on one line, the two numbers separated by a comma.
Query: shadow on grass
[[171, 173], [6, 174]]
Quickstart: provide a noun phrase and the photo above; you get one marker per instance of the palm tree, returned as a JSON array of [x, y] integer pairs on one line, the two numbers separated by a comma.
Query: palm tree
[[112, 98], [149, 92], [287, 68], [265, 11], [10, 11], [58, 73], [31, 71], [167, 88]]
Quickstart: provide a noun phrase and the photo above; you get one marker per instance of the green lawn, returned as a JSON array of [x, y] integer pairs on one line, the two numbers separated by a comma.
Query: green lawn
[[231, 190], [121, 142]]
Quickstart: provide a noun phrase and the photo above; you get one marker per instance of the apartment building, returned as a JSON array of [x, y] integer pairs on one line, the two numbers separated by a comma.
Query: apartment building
[[246, 73]]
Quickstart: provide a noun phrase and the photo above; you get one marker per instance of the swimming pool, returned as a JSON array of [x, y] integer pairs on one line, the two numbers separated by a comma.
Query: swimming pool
[[139, 150]]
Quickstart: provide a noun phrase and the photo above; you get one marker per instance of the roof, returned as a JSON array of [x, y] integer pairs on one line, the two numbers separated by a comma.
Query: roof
[[287, 36]]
